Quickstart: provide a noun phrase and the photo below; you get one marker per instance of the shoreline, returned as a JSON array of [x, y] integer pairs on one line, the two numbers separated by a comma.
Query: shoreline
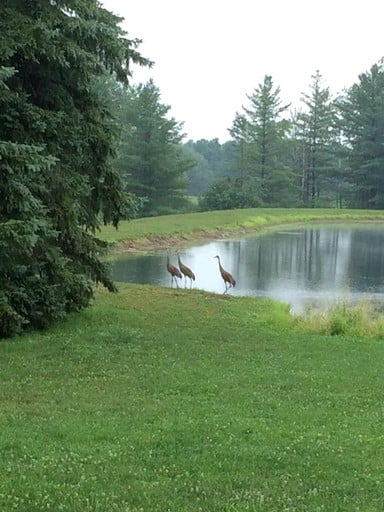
[[176, 241]]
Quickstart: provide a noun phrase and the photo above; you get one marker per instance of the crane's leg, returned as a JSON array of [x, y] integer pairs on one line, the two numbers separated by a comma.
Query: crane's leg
[[177, 284]]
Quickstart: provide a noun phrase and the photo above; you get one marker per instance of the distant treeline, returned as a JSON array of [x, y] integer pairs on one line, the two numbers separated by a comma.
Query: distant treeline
[[329, 152]]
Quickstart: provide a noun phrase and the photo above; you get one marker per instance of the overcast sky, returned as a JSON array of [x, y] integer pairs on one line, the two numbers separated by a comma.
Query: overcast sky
[[209, 54]]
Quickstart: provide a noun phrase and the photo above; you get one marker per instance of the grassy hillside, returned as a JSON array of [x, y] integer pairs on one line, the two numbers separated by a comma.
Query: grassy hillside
[[149, 233], [161, 400]]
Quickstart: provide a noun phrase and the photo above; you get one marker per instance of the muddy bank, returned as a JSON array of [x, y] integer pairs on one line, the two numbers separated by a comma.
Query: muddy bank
[[164, 242], [178, 241]]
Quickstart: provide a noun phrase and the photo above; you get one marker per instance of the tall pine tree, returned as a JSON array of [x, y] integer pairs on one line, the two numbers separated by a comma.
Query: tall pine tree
[[363, 124], [315, 131], [152, 160], [260, 134], [56, 141]]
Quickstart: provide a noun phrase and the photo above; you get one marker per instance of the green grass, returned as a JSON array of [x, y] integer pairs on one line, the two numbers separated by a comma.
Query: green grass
[[364, 319], [149, 232], [161, 400]]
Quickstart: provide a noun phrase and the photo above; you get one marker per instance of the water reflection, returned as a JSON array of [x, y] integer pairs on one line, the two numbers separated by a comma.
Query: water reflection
[[318, 265]]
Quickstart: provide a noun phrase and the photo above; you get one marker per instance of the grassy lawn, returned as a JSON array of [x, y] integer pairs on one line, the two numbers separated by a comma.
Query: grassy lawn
[[161, 400], [166, 230]]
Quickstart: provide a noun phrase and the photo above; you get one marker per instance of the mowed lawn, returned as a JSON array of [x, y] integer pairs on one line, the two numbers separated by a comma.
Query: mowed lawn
[[156, 399]]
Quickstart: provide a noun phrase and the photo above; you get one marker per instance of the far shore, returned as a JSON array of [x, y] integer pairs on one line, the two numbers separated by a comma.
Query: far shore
[[182, 230]]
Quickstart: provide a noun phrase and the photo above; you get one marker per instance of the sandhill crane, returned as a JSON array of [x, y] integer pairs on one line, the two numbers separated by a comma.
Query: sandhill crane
[[186, 271], [227, 277], [174, 271]]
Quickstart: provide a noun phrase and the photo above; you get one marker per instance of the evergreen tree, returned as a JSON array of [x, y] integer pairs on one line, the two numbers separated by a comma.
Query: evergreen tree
[[259, 134], [363, 123], [314, 127], [56, 141], [151, 159], [239, 132]]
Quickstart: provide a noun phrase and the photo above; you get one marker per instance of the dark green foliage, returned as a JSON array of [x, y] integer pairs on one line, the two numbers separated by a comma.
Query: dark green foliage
[[259, 135], [212, 151], [315, 132], [200, 175], [151, 159], [227, 194], [36, 281], [57, 137], [282, 186], [213, 161], [265, 129], [363, 124]]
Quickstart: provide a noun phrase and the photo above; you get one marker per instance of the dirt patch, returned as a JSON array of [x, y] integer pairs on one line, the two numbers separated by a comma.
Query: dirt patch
[[164, 242], [178, 241]]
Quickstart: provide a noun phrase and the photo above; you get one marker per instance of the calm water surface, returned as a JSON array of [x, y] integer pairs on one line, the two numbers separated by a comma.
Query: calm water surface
[[318, 265]]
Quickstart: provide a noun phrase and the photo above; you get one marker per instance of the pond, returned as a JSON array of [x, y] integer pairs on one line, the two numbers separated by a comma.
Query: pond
[[317, 265]]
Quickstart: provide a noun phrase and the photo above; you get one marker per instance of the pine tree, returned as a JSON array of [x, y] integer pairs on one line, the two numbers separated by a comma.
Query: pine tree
[[152, 160], [239, 132], [56, 141], [363, 125], [260, 133], [315, 131]]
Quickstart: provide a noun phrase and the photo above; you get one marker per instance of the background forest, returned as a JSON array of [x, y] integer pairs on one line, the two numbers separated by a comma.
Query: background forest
[[326, 152]]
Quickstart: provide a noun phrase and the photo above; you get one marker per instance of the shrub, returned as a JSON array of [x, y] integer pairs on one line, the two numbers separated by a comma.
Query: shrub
[[228, 194], [362, 319]]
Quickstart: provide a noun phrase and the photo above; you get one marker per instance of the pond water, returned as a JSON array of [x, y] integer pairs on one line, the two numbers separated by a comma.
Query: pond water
[[317, 265]]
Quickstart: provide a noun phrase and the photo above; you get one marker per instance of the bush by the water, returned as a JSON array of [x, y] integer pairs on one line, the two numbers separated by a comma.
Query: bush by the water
[[363, 320]]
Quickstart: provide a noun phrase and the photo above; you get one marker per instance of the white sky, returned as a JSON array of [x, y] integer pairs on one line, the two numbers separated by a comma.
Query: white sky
[[209, 54]]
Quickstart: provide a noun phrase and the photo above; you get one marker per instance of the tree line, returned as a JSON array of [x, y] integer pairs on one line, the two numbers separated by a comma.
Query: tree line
[[328, 152], [80, 146]]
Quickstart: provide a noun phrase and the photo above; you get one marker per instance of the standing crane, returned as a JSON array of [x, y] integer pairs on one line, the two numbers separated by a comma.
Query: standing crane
[[186, 271], [174, 271], [227, 277]]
